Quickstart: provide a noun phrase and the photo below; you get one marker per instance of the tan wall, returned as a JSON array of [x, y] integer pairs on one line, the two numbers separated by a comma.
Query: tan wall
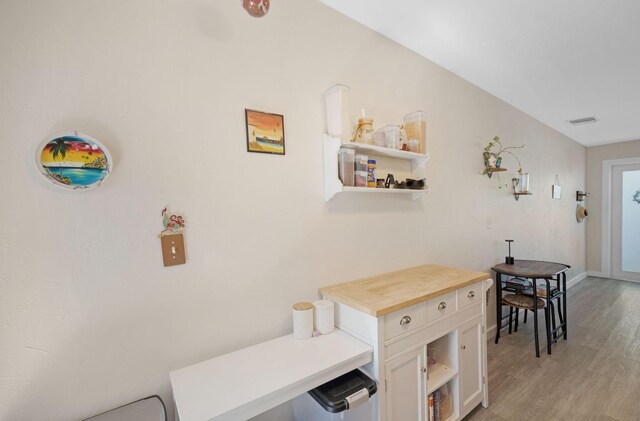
[[89, 317], [595, 156]]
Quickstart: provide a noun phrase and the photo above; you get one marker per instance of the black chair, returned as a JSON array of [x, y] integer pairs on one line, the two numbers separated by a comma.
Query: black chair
[[524, 288]]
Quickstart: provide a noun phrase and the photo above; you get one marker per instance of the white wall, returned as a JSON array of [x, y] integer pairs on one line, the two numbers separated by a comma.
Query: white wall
[[89, 317]]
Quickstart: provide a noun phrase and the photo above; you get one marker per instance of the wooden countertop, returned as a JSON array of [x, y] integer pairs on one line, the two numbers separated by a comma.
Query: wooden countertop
[[384, 294]]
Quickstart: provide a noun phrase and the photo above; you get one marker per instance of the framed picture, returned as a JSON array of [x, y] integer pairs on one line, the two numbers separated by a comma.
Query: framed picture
[[265, 132], [73, 161], [556, 191]]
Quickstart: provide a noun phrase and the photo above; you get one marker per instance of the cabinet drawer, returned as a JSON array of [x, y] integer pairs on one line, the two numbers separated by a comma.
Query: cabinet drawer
[[470, 295], [404, 320], [441, 306]]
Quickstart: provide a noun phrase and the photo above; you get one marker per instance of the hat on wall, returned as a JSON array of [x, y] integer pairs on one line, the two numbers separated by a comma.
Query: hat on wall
[[581, 213]]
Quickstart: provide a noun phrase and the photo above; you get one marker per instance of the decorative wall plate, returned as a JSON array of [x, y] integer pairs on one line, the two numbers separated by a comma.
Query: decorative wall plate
[[73, 161]]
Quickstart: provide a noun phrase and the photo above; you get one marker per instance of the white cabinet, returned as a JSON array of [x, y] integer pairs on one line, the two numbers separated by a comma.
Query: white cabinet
[[405, 375], [332, 184], [470, 364], [401, 340]]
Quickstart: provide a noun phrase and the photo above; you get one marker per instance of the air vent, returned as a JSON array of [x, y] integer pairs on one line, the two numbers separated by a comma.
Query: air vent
[[586, 120]]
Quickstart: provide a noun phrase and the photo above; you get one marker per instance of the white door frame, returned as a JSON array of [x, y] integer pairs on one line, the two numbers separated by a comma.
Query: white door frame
[[607, 168]]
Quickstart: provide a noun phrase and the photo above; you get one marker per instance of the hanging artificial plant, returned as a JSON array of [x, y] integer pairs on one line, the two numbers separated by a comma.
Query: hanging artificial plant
[[492, 156]]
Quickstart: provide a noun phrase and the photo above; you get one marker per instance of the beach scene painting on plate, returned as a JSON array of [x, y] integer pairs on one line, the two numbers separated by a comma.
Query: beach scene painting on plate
[[265, 132], [73, 161]]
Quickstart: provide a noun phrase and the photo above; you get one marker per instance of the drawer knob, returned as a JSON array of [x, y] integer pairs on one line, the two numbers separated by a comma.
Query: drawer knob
[[463, 347], [442, 306], [424, 369], [405, 320], [471, 294]]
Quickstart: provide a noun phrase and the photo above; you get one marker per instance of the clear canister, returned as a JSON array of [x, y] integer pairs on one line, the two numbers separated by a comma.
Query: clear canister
[[346, 162], [415, 126], [392, 136]]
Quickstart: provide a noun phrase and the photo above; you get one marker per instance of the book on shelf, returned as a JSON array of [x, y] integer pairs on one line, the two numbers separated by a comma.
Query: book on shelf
[[431, 409], [436, 404]]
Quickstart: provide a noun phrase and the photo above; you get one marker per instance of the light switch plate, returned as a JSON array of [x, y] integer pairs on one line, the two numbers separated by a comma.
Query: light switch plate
[[173, 249]]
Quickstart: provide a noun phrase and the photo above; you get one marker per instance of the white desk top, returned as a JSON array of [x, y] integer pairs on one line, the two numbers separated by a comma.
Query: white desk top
[[245, 383]]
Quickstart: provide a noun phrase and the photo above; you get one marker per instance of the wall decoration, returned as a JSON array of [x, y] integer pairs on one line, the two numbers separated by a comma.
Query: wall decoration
[[73, 161], [265, 132], [172, 223], [172, 239], [556, 189], [581, 213], [256, 8], [493, 157], [636, 197]]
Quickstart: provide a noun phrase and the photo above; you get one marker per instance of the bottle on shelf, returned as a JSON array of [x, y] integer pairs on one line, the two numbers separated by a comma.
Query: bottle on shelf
[[361, 170], [371, 173]]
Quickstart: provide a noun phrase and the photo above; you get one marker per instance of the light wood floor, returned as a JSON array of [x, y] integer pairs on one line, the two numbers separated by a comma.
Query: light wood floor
[[594, 375]]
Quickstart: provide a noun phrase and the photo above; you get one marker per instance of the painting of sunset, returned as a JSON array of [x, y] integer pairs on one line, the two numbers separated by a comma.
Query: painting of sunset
[[74, 161], [265, 132]]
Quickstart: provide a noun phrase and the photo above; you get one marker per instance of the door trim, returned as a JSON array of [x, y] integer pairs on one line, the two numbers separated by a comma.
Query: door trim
[[607, 169]]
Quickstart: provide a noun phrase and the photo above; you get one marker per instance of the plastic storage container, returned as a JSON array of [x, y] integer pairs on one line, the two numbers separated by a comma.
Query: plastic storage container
[[346, 162], [343, 398], [415, 125], [361, 170], [392, 136], [336, 102]]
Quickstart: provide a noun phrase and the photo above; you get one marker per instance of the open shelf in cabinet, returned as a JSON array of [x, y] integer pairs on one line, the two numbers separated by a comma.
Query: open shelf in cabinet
[[333, 185], [447, 402], [439, 374]]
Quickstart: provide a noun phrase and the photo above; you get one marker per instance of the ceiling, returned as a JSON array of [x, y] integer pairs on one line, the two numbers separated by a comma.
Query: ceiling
[[555, 60]]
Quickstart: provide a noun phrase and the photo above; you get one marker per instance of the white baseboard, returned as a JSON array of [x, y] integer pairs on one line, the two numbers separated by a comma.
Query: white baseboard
[[570, 283], [576, 279], [598, 274]]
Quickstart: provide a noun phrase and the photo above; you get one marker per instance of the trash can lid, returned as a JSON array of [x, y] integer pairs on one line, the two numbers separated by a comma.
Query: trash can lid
[[332, 396]]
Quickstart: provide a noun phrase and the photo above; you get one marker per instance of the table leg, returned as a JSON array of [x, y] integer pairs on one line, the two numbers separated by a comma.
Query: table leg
[[564, 303], [547, 318], [498, 305], [535, 317]]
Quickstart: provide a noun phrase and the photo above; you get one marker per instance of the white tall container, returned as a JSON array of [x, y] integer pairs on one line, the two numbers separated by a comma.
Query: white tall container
[[336, 104], [323, 316], [524, 183], [302, 320]]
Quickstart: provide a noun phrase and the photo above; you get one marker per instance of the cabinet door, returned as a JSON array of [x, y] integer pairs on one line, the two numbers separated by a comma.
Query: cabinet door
[[405, 386], [470, 364]]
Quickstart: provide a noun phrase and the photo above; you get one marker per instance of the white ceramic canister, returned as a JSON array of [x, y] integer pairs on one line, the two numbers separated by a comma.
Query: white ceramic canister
[[302, 320], [323, 318]]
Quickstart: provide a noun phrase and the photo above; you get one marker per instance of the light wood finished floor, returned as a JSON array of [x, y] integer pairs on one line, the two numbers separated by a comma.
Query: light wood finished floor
[[594, 375]]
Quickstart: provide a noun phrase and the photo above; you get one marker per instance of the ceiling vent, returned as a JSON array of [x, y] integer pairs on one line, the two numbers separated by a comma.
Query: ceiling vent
[[586, 120]]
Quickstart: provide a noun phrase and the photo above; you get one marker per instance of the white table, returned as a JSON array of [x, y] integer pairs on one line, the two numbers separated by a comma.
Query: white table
[[248, 382]]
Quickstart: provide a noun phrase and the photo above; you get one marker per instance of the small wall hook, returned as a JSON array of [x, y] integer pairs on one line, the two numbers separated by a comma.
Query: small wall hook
[[581, 195]]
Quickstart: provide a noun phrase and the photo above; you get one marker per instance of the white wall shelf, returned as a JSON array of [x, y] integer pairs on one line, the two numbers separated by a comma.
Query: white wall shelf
[[245, 383], [333, 185]]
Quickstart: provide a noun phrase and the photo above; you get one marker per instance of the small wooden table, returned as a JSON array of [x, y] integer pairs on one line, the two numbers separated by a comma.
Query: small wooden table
[[534, 270]]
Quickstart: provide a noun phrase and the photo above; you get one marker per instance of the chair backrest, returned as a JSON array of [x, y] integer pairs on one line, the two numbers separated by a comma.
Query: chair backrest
[[147, 409]]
